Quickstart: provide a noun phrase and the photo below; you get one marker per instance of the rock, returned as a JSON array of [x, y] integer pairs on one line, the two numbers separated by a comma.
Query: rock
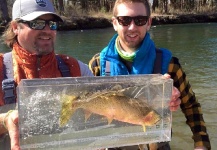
[[181, 19], [85, 23]]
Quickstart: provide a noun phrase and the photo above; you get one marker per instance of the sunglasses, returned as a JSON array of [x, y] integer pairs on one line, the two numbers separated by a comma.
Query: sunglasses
[[138, 20], [40, 24]]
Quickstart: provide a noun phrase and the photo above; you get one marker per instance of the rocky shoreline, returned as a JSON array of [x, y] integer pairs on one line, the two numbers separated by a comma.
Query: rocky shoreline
[[78, 23], [90, 23]]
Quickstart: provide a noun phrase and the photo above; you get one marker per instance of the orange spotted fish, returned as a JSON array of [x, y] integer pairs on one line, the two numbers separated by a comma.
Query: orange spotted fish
[[111, 105]]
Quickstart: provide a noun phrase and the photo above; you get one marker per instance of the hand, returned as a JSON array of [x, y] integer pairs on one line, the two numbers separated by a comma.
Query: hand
[[200, 148], [11, 122], [175, 100]]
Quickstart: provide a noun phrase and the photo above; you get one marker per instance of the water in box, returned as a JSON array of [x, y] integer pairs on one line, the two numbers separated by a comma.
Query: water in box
[[94, 112]]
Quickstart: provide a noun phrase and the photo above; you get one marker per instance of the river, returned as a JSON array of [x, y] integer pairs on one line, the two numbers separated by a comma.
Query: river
[[196, 47]]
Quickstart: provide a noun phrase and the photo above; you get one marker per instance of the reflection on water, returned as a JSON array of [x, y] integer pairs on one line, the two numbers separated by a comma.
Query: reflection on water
[[194, 45]]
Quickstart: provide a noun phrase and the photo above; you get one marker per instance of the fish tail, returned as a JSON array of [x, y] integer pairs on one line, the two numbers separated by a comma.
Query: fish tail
[[153, 146], [67, 109], [144, 128]]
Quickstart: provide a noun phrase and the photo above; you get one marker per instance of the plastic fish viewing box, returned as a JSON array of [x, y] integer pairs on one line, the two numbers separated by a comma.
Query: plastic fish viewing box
[[94, 112]]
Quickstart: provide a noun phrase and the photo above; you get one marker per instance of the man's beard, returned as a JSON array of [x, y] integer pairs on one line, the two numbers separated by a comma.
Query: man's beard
[[44, 50]]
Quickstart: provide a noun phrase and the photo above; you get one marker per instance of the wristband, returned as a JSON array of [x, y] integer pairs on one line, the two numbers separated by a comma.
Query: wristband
[[3, 121]]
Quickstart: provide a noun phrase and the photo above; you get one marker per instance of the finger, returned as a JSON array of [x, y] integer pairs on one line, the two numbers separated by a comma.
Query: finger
[[13, 131], [175, 94], [174, 108], [14, 136], [200, 148], [174, 105], [14, 117], [166, 76], [175, 102]]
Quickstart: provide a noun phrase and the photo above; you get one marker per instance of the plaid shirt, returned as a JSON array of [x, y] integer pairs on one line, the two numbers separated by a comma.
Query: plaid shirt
[[189, 104]]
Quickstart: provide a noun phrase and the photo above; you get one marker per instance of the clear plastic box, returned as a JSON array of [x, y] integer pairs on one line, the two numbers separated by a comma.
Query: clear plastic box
[[94, 112]]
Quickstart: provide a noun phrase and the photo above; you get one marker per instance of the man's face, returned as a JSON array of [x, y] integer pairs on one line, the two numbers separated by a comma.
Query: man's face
[[40, 42], [131, 36]]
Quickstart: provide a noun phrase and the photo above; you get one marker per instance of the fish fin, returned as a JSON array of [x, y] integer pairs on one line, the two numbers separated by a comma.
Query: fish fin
[[87, 115], [109, 120], [144, 128], [141, 146], [116, 87], [151, 118], [67, 109], [153, 146], [120, 94]]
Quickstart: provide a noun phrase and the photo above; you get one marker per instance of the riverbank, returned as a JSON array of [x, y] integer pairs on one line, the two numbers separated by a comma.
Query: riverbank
[[78, 23]]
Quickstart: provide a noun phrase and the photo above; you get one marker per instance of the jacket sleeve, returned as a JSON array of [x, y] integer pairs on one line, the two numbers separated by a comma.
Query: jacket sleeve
[[1, 79], [94, 65], [189, 105]]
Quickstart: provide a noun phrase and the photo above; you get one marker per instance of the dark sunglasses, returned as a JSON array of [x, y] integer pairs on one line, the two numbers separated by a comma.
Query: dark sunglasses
[[138, 20], [40, 24]]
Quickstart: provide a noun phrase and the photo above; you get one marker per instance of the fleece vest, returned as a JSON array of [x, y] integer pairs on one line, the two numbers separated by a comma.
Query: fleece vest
[[8, 84]]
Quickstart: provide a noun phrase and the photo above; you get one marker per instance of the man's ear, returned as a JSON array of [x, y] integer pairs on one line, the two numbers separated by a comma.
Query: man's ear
[[149, 23], [15, 27], [115, 23]]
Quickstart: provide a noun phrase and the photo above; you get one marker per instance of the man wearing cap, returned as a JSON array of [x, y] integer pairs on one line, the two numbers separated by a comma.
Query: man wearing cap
[[31, 35]]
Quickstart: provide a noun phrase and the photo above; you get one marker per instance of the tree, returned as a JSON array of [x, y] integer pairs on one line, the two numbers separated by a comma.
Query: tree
[[61, 7], [155, 4], [84, 5], [4, 11]]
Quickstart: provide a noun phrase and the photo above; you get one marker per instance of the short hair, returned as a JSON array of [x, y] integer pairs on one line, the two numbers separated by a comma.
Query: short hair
[[145, 2], [9, 37]]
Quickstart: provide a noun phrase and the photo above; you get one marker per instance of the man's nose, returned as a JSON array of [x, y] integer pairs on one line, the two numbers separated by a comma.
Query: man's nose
[[132, 25], [47, 27]]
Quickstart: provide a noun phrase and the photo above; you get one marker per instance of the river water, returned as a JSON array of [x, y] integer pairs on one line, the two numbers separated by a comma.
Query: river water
[[196, 47]]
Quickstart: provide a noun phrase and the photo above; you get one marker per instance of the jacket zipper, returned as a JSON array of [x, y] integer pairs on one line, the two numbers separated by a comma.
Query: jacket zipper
[[38, 65]]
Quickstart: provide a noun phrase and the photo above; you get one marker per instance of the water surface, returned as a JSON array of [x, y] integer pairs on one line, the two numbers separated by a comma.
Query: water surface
[[196, 47]]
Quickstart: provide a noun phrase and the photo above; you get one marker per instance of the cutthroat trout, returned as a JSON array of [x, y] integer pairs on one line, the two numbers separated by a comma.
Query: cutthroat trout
[[112, 106]]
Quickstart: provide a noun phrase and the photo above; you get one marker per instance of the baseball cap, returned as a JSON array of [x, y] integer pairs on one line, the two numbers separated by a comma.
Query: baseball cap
[[31, 9]]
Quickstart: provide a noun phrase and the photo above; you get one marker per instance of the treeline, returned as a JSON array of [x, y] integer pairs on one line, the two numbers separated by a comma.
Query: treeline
[[76, 7], [190, 6], [84, 6], [158, 6]]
